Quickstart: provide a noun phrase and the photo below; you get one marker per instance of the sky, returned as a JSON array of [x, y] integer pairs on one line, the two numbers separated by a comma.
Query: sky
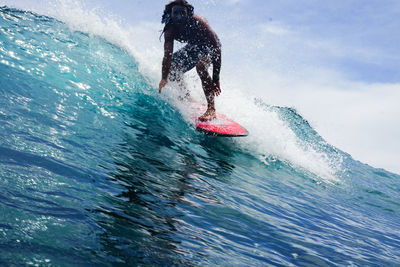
[[336, 62]]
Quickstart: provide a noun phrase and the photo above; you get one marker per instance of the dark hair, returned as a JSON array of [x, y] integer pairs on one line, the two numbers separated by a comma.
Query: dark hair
[[166, 17]]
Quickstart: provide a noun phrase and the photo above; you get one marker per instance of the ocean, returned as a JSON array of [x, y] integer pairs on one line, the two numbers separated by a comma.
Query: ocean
[[98, 169]]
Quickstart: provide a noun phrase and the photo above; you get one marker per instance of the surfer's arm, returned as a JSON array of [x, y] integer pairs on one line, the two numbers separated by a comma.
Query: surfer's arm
[[166, 63], [168, 50], [216, 60], [213, 40]]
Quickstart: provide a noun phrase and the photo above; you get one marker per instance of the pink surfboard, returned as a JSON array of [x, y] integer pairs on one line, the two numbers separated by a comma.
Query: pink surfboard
[[220, 126]]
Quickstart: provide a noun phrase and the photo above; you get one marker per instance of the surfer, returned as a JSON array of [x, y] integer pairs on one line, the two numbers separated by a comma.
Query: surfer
[[203, 48]]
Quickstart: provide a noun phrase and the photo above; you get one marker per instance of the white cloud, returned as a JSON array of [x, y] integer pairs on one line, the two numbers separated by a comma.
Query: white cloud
[[234, 2], [274, 28]]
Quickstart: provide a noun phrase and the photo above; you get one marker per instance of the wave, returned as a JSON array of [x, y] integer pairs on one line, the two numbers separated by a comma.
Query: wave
[[94, 158]]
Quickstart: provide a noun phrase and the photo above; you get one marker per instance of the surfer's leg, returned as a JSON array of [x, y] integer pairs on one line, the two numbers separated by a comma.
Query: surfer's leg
[[206, 82]]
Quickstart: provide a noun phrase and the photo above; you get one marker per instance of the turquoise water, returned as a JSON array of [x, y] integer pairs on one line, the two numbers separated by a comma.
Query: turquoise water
[[97, 169]]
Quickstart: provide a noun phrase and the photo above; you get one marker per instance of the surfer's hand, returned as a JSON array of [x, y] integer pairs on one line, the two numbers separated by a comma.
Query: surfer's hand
[[216, 88], [162, 84]]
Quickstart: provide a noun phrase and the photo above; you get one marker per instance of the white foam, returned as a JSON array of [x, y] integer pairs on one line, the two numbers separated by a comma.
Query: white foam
[[270, 136]]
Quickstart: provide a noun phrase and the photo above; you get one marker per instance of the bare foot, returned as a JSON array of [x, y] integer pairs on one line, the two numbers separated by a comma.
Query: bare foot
[[208, 115]]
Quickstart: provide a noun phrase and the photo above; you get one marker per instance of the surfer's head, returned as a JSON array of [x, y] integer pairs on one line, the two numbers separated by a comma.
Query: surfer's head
[[177, 12]]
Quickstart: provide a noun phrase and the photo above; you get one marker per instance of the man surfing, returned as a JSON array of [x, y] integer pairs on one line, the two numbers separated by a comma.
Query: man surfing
[[203, 48]]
